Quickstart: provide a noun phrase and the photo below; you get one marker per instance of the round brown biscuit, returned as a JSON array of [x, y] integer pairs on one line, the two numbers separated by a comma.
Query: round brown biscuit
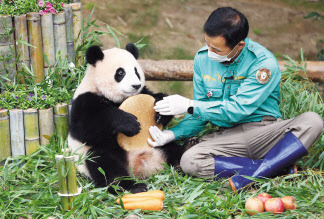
[[141, 106]]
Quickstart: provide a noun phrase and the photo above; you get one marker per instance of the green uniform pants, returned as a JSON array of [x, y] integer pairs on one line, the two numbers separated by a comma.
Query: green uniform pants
[[252, 140]]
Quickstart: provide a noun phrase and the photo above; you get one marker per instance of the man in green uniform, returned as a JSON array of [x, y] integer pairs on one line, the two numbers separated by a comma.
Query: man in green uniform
[[236, 87]]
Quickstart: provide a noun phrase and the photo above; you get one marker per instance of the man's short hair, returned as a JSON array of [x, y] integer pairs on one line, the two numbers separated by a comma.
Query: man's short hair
[[229, 23]]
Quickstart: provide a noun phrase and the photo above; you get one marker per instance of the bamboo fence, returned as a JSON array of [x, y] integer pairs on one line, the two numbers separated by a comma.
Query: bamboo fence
[[48, 34], [22, 131]]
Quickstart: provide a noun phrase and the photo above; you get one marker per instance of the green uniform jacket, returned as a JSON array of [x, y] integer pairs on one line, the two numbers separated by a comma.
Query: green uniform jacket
[[227, 95]]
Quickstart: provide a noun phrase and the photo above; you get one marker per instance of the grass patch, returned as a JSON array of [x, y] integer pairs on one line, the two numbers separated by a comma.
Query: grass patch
[[29, 186]]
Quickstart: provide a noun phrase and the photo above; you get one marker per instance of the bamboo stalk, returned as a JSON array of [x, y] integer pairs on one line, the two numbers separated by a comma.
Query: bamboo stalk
[[22, 49], [69, 32], [60, 163], [70, 108], [60, 34], [46, 125], [71, 178], [31, 130], [17, 132], [48, 41], [77, 24], [35, 39], [4, 134], [7, 46], [61, 119]]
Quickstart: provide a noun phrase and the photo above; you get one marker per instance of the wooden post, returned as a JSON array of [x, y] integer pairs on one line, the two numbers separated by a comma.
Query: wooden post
[[71, 178], [7, 47], [69, 32], [77, 24], [31, 130], [22, 49], [60, 163], [35, 39], [61, 120], [46, 125], [17, 132], [4, 134], [48, 41], [60, 34]]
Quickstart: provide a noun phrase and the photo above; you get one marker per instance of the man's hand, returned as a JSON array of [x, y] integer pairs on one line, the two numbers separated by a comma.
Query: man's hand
[[160, 137], [172, 105]]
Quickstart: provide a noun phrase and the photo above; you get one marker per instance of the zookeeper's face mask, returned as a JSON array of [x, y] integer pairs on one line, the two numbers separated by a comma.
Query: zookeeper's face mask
[[218, 58]]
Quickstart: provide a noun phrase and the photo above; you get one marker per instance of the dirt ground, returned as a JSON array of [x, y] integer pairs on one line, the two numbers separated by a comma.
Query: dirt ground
[[175, 26]]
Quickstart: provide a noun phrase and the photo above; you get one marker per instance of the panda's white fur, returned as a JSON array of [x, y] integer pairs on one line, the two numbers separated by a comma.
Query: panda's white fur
[[99, 79]]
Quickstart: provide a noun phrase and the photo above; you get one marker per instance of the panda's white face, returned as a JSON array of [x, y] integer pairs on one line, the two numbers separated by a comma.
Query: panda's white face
[[118, 75]]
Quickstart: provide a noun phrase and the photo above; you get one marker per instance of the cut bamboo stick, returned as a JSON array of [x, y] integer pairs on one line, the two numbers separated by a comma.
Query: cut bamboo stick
[[60, 34], [71, 178], [21, 34], [4, 134], [70, 108], [46, 125], [35, 39], [48, 41], [7, 46], [69, 32], [61, 119], [31, 130], [77, 24], [60, 163], [17, 132]]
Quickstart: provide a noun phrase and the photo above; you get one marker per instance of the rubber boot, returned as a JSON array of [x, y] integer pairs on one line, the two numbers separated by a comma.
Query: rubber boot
[[283, 154], [228, 166]]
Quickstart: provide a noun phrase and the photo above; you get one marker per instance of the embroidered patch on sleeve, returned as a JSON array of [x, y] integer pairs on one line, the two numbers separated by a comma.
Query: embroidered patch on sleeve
[[263, 75]]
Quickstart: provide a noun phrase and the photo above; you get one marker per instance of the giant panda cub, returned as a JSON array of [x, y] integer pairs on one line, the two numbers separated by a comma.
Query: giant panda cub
[[112, 76]]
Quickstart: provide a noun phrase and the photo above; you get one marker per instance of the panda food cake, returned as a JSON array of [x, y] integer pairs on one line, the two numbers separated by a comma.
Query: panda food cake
[[141, 106], [112, 76]]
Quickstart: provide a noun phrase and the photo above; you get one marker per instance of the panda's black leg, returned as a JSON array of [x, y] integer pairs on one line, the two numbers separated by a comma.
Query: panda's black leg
[[113, 166], [173, 153]]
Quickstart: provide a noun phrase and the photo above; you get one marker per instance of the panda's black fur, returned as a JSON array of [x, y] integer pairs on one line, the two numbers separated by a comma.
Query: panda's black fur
[[96, 120]]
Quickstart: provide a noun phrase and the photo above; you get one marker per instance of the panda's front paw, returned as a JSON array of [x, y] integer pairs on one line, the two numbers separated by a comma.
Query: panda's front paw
[[164, 120], [129, 125], [139, 187]]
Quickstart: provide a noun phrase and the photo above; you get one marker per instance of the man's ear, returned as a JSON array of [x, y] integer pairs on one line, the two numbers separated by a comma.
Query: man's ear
[[241, 44], [94, 54], [130, 47]]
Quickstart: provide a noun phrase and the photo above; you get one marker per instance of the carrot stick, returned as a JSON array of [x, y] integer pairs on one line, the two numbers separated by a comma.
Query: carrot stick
[[153, 204], [134, 199], [155, 193]]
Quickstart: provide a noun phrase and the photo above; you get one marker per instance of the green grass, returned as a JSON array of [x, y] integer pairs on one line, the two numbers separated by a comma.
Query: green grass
[[29, 186]]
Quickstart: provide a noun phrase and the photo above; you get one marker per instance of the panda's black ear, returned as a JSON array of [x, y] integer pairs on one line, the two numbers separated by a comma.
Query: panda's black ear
[[94, 54], [130, 47]]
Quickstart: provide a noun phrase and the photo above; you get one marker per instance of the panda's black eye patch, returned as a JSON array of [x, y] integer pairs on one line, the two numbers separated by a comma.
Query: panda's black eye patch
[[137, 73], [120, 74]]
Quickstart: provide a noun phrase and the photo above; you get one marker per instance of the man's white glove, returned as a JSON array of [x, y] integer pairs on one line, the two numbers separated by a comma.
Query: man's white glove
[[160, 137], [173, 105]]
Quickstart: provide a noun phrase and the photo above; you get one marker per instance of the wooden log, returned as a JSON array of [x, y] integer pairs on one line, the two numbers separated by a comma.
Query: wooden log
[[46, 125], [31, 130], [61, 120], [77, 24], [4, 135], [60, 34], [69, 32], [48, 41], [182, 70], [7, 46], [71, 178], [21, 34], [61, 170], [17, 132], [35, 39]]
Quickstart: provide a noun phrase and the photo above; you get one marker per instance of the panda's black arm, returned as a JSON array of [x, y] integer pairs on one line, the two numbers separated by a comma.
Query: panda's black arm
[[95, 119], [164, 120]]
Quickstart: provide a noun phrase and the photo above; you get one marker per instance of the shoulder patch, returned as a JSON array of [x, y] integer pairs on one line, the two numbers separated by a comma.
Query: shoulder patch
[[263, 75]]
